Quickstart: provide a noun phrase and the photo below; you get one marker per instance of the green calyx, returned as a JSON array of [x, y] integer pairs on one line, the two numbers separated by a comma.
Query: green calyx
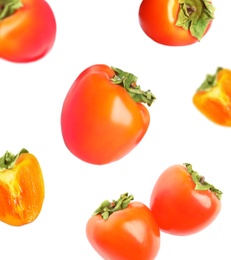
[[7, 161], [107, 208], [210, 81], [8, 7], [128, 81], [195, 16], [200, 182]]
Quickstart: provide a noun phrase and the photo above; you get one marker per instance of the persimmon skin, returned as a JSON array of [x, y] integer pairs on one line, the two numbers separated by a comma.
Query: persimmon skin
[[21, 191]]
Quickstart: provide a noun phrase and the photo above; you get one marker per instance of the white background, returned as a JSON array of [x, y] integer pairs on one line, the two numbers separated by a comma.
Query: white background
[[108, 32]]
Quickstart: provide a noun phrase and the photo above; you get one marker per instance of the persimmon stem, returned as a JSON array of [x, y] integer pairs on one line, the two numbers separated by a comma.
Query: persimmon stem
[[195, 16], [128, 81], [200, 183], [202, 180], [190, 9], [107, 208], [7, 161], [9, 7], [210, 80]]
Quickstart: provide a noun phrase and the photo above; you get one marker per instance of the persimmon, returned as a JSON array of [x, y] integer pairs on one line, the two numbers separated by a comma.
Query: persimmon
[[21, 188], [174, 22], [124, 230], [103, 116], [28, 30], [213, 97]]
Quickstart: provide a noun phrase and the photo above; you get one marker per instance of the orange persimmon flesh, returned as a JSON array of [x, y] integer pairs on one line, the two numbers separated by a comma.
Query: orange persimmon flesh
[[21, 191], [213, 98]]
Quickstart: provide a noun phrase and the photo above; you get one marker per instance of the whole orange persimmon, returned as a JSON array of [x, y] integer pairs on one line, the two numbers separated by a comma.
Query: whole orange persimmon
[[21, 188]]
